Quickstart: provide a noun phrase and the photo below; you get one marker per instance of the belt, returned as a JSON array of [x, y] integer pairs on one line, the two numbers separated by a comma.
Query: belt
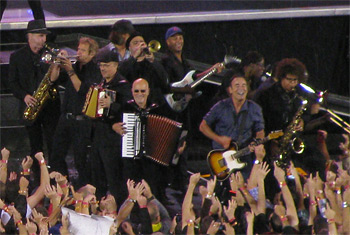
[[71, 116]]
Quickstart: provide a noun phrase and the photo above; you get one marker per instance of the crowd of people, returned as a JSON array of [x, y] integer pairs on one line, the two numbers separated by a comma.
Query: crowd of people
[[264, 192]]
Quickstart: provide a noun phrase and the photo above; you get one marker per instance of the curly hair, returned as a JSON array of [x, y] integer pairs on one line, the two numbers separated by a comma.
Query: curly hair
[[291, 66]]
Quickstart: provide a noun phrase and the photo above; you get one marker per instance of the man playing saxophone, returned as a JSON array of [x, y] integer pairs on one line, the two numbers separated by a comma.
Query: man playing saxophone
[[25, 74]]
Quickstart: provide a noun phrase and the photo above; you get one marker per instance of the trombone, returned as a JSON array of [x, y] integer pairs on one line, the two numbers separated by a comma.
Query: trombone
[[339, 121]]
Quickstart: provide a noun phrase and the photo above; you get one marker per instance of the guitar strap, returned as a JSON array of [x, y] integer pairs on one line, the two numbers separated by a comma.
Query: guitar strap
[[241, 126]]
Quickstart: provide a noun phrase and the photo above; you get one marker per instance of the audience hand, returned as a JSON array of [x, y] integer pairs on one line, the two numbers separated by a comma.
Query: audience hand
[[5, 154], [230, 210], [31, 227], [27, 163]]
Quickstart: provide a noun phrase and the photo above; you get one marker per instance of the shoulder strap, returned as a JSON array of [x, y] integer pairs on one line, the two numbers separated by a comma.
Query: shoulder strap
[[241, 126]]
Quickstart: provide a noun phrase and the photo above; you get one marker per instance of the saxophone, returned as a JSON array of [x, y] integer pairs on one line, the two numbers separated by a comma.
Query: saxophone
[[43, 93], [288, 141]]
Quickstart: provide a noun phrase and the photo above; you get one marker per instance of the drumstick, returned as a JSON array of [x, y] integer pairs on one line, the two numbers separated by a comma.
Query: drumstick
[[201, 177]]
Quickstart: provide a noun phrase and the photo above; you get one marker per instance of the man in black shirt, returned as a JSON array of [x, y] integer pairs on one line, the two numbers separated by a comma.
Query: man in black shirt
[[25, 74], [142, 64], [106, 143], [73, 128]]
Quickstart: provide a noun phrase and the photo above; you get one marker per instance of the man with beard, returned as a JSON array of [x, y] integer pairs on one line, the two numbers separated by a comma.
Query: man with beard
[[74, 129], [120, 32]]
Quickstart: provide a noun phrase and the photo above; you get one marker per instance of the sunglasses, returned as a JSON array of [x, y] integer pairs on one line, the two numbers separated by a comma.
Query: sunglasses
[[142, 91]]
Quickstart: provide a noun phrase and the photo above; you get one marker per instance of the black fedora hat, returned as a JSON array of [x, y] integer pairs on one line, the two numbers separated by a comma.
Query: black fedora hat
[[37, 26]]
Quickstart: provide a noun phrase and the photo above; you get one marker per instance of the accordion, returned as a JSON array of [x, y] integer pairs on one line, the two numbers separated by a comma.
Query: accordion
[[156, 138], [91, 107]]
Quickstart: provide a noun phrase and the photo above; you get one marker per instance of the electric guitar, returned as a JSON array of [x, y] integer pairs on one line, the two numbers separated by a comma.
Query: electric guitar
[[179, 105], [222, 162]]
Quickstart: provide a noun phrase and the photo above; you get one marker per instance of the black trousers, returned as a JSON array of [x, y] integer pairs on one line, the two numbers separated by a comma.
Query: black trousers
[[75, 134], [44, 126], [106, 164], [35, 5]]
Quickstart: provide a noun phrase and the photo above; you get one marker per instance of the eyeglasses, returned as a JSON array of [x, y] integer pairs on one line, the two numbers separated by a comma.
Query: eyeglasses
[[142, 91]]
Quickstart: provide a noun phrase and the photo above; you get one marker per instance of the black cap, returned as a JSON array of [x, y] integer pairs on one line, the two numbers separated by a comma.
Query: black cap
[[108, 56], [123, 26], [37, 26], [132, 35]]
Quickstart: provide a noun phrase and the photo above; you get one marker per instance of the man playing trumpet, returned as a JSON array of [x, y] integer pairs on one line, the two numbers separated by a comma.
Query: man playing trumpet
[[73, 128]]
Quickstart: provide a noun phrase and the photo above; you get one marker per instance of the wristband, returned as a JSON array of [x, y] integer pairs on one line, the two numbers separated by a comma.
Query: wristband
[[319, 191], [19, 222], [232, 220], [78, 201], [25, 172], [282, 183], [313, 203], [4, 161], [42, 162], [283, 218], [337, 191], [330, 221], [190, 222], [5, 208], [85, 203], [63, 185], [346, 187], [150, 199], [144, 206]]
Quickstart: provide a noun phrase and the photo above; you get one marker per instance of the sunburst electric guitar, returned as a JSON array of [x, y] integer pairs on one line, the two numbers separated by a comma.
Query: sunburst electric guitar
[[222, 162]]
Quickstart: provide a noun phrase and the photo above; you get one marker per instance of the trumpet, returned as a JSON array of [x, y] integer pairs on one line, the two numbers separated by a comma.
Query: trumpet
[[152, 46], [49, 58]]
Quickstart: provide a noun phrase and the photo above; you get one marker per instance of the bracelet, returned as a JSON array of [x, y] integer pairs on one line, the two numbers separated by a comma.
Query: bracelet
[[19, 222], [232, 220], [283, 218], [345, 205], [85, 203], [144, 206], [306, 195], [71, 73], [78, 201], [330, 221], [63, 185], [190, 222], [150, 199], [23, 192], [257, 162], [282, 183], [4, 161], [94, 203], [132, 200], [209, 195]]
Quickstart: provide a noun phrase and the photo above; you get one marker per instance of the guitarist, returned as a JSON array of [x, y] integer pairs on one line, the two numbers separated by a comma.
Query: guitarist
[[234, 119], [177, 66]]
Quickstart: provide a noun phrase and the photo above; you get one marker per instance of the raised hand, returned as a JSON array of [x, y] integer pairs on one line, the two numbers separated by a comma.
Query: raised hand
[[5, 154], [230, 210], [27, 163], [147, 189], [278, 173], [194, 179], [262, 171]]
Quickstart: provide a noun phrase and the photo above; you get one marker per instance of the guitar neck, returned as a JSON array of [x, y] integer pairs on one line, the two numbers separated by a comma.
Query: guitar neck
[[199, 80], [246, 150]]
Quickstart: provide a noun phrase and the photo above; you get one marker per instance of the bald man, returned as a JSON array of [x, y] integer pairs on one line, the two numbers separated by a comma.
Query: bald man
[[140, 167]]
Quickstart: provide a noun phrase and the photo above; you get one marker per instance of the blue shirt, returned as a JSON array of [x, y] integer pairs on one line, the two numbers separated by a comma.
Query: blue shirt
[[224, 121]]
